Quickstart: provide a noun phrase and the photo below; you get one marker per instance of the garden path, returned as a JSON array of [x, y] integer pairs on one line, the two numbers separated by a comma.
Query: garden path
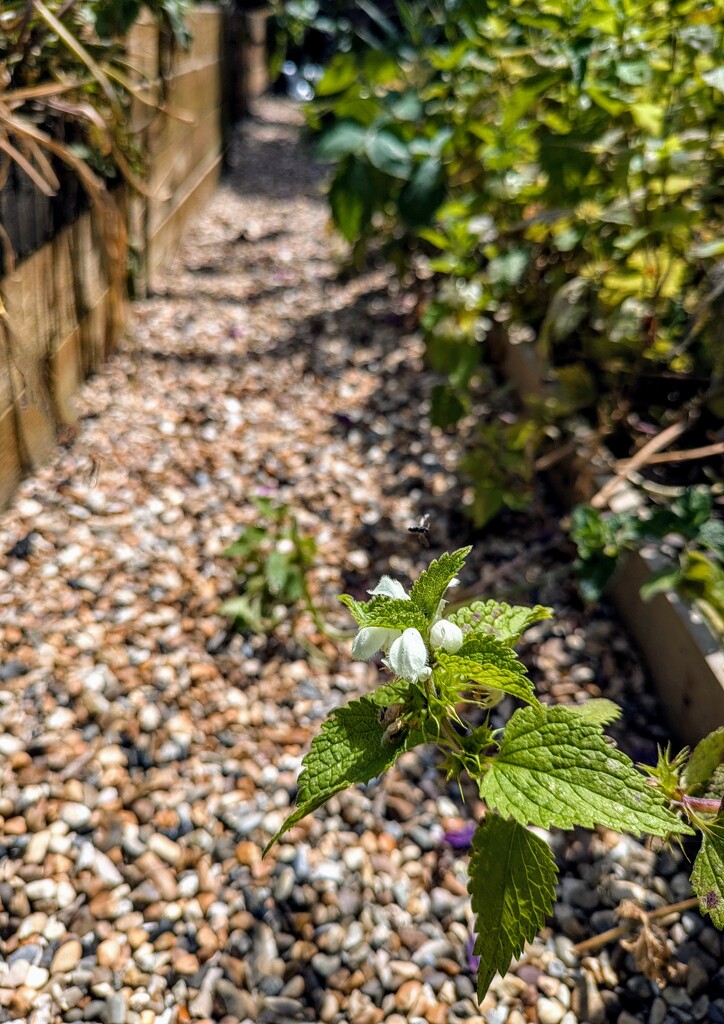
[[146, 755]]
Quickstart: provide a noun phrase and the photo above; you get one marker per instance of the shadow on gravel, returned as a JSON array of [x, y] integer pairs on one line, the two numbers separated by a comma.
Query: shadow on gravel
[[275, 145]]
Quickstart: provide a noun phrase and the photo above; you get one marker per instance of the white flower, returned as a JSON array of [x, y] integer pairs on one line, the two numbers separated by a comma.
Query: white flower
[[372, 639], [387, 587], [408, 656], [447, 636]]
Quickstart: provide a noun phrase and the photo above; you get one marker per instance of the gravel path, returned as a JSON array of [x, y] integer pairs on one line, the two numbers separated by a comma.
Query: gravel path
[[145, 757]]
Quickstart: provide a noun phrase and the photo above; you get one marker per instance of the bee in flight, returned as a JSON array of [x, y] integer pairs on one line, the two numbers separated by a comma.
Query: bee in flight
[[422, 530]]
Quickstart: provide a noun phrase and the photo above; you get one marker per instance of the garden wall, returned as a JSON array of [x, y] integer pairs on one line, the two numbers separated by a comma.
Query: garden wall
[[61, 308]]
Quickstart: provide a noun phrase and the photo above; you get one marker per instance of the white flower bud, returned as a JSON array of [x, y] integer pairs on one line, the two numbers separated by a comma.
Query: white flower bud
[[446, 636], [387, 587], [370, 640], [408, 656]]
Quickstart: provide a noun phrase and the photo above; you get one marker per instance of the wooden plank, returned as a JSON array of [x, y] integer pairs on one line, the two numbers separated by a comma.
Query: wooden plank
[[67, 371], [681, 651], [177, 167], [10, 468], [168, 233]]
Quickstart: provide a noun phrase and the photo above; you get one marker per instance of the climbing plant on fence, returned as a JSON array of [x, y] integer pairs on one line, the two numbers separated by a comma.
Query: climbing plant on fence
[[552, 171]]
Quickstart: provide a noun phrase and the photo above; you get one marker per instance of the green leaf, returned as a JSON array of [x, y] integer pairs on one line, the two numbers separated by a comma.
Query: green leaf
[[714, 78], [505, 621], [351, 748], [351, 198], [649, 117], [707, 877], [387, 612], [708, 755], [241, 608], [493, 666], [344, 138], [512, 877], [663, 581], [341, 72], [423, 193], [388, 154], [599, 711], [558, 769], [446, 408], [276, 568], [430, 586]]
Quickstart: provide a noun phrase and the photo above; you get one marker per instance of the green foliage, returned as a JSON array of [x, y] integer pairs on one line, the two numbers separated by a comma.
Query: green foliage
[[506, 622], [548, 766], [706, 758], [487, 665], [555, 175], [557, 769], [694, 568], [428, 590], [350, 748], [273, 559], [707, 878], [512, 879]]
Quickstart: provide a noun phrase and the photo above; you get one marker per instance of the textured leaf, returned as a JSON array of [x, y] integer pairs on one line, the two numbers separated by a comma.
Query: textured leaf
[[388, 154], [423, 193], [343, 138], [557, 769], [350, 748], [707, 878], [351, 198], [386, 612], [496, 667], [430, 586], [708, 755], [512, 886], [598, 711], [505, 621]]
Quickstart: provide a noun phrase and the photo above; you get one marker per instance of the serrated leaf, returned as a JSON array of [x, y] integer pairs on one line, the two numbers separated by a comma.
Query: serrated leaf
[[706, 758], [386, 612], [707, 877], [512, 886], [557, 769], [495, 666], [351, 748], [395, 692], [599, 711], [505, 621], [430, 586]]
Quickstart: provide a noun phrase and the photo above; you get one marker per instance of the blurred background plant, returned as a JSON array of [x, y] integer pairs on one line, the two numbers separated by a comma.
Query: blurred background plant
[[550, 174], [273, 561]]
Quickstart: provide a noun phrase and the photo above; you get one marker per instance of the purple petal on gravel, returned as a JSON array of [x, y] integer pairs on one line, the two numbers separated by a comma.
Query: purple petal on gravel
[[473, 960], [461, 838]]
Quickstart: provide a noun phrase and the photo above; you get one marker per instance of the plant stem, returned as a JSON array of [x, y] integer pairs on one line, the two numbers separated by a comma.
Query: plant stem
[[321, 624], [617, 933]]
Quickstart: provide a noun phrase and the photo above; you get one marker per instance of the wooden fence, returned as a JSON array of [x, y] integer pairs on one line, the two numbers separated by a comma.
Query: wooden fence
[[61, 308]]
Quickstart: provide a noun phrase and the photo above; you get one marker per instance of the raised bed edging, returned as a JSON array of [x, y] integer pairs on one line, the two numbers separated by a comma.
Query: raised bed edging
[[683, 655]]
